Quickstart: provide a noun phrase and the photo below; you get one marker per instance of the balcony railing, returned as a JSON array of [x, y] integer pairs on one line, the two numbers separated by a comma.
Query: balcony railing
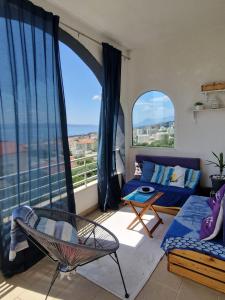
[[84, 170], [33, 185]]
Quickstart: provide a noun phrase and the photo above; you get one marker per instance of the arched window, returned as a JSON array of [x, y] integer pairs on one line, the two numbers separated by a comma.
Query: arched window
[[153, 120], [81, 75]]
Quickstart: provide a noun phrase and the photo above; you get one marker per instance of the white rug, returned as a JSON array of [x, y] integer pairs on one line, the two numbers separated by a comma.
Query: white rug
[[138, 254]]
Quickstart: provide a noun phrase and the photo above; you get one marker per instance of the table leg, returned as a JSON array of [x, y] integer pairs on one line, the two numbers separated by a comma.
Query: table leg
[[138, 217], [156, 214]]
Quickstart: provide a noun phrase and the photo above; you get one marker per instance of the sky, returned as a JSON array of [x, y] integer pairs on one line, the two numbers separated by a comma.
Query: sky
[[81, 88], [83, 95], [152, 107]]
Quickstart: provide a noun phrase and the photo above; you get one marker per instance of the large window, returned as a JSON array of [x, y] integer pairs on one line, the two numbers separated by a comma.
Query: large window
[[153, 120], [83, 98]]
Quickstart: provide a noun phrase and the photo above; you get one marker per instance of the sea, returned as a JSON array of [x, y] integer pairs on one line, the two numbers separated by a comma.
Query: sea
[[81, 129], [9, 133]]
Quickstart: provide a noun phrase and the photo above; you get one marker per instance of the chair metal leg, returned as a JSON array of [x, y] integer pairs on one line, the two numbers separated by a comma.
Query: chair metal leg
[[55, 275], [121, 274]]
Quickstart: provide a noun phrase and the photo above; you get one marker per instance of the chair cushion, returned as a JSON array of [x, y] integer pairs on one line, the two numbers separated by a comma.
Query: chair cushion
[[211, 225], [147, 171], [192, 178], [58, 229], [158, 173], [178, 176]]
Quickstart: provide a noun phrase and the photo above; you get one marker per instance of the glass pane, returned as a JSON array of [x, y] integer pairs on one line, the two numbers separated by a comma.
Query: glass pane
[[83, 101], [153, 120]]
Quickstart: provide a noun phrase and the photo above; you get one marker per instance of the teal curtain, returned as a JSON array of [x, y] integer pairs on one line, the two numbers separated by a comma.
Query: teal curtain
[[34, 153], [111, 122]]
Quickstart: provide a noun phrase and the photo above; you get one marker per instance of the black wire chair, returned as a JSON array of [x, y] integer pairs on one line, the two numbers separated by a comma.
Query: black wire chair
[[94, 242]]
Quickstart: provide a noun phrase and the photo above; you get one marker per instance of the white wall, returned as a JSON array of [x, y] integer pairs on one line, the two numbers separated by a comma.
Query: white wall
[[86, 198], [179, 67]]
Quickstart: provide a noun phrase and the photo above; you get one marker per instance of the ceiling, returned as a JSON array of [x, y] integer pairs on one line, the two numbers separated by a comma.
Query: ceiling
[[135, 23]]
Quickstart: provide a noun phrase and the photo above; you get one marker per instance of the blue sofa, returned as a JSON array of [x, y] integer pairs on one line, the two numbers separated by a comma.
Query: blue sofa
[[174, 197], [187, 255]]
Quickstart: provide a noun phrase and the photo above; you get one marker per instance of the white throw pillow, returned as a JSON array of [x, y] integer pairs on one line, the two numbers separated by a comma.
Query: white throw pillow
[[178, 177]]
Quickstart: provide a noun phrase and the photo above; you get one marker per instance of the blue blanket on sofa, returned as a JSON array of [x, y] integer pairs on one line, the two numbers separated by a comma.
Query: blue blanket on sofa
[[183, 233], [173, 196]]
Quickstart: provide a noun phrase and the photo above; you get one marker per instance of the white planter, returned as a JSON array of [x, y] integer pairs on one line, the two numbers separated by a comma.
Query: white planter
[[199, 107]]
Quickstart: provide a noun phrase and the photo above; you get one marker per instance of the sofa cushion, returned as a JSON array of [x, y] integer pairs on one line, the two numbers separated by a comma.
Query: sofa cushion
[[147, 171], [158, 173], [173, 196]]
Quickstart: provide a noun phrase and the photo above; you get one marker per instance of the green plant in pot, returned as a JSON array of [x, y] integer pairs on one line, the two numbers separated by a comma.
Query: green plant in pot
[[217, 180]]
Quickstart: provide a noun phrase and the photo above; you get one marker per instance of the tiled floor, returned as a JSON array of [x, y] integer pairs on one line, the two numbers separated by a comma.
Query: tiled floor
[[162, 285]]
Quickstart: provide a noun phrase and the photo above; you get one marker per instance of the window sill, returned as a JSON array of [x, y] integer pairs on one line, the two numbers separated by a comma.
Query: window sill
[[153, 148]]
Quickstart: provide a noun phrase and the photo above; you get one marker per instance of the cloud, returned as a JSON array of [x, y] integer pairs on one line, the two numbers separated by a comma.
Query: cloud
[[157, 99], [156, 111], [97, 97]]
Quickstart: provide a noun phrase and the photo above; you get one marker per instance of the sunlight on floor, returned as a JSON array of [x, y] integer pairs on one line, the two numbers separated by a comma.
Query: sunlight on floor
[[162, 285]]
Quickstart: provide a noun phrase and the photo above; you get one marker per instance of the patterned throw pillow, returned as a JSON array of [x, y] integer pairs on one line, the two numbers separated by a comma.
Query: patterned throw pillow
[[138, 170], [168, 172], [178, 177], [59, 229], [158, 174], [211, 225], [217, 198], [192, 178], [147, 171]]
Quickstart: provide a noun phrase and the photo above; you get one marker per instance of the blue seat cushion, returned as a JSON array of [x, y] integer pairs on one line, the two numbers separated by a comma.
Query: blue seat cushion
[[61, 230], [184, 231], [173, 196]]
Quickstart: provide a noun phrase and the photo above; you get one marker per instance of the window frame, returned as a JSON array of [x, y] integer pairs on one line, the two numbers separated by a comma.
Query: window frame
[[84, 54], [152, 147]]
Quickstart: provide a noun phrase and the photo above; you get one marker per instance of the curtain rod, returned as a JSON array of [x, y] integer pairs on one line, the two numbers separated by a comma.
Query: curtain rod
[[87, 36]]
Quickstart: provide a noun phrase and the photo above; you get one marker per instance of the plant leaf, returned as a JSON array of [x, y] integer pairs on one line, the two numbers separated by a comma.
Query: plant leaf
[[211, 162], [215, 155]]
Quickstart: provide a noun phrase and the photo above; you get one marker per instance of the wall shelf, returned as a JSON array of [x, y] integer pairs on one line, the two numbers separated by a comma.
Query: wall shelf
[[213, 91], [207, 93], [196, 111], [207, 90]]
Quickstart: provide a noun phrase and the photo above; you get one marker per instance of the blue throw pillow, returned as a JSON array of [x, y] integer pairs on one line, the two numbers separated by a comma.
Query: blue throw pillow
[[158, 174], [147, 171], [192, 178]]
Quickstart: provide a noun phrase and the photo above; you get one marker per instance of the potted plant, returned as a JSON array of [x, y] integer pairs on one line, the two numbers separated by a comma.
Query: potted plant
[[198, 105], [217, 180]]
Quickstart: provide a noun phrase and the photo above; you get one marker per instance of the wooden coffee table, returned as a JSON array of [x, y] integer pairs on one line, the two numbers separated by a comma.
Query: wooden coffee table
[[144, 201]]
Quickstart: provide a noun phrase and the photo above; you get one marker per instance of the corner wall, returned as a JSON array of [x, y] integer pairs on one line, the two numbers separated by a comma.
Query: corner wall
[[178, 67]]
